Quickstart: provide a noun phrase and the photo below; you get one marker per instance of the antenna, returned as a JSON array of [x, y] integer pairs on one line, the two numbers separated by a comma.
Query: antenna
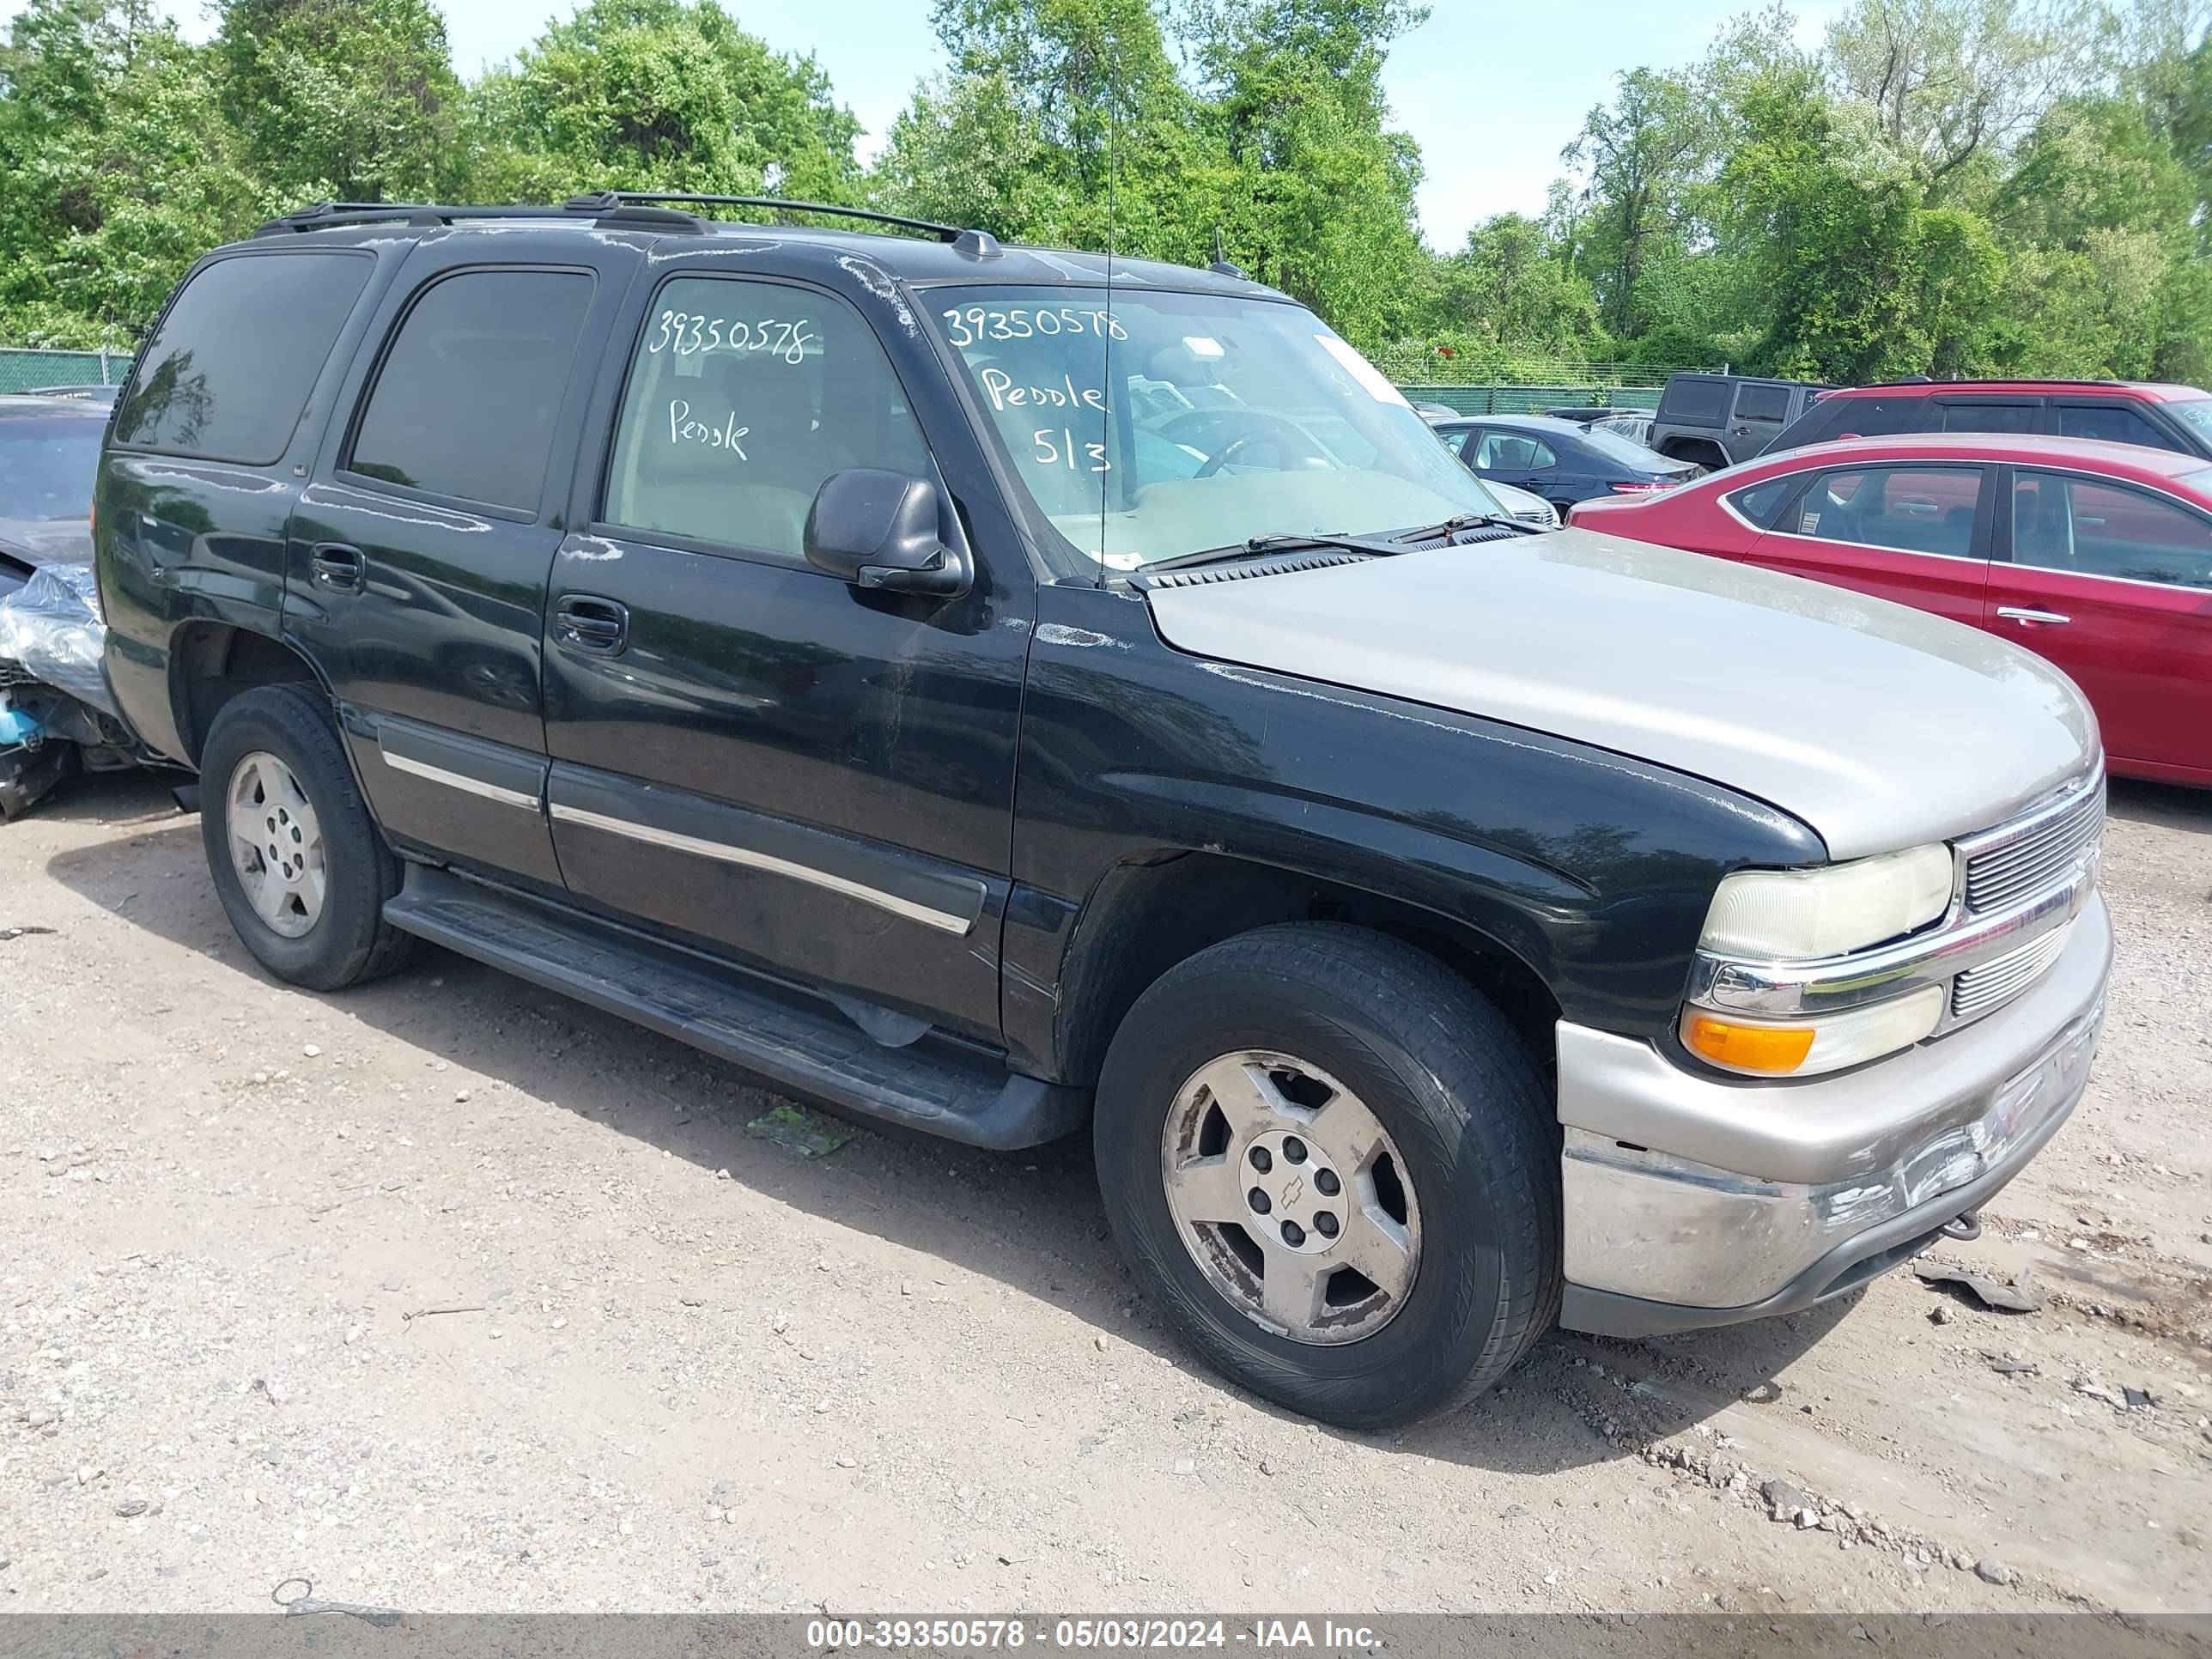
[[1106, 480]]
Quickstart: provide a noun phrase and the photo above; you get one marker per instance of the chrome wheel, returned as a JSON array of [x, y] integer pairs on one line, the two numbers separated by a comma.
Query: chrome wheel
[[276, 844], [1290, 1197]]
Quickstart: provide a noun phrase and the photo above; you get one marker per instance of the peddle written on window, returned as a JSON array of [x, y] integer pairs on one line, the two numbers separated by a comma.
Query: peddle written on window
[[1160, 422]]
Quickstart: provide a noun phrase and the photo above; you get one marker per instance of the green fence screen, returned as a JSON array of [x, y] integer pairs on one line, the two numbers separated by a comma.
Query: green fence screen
[[26, 371], [1525, 400]]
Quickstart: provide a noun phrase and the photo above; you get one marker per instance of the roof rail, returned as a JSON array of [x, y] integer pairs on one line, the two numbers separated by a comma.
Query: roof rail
[[323, 214], [604, 201], [638, 208]]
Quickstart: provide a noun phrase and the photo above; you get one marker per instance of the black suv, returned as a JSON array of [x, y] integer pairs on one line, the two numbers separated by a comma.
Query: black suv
[[1717, 420], [991, 690]]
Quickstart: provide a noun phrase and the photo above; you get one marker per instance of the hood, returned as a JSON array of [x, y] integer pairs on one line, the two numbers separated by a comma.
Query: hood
[[1878, 726], [48, 541]]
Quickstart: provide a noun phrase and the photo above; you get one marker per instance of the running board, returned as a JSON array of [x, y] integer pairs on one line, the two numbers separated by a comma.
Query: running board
[[786, 1037]]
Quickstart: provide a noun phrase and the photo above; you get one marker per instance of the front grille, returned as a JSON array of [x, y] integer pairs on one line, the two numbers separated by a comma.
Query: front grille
[[1978, 990], [2037, 851], [11, 674]]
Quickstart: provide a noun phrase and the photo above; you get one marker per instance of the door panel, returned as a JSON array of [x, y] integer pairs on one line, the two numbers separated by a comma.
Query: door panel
[[418, 556], [2114, 585], [1916, 535], [766, 762]]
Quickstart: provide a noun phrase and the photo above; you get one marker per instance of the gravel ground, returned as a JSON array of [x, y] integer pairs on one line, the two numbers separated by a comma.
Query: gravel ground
[[449, 1295]]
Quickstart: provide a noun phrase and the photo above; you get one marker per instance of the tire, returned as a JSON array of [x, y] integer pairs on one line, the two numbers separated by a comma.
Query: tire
[[1464, 1108], [335, 937]]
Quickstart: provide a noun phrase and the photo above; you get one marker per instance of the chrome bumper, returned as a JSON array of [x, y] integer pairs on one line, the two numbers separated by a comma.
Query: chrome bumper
[[1693, 1200]]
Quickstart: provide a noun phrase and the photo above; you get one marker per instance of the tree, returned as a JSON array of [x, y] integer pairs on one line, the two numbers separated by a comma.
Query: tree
[[1510, 287], [354, 100], [121, 170], [1641, 154], [1950, 81], [665, 94]]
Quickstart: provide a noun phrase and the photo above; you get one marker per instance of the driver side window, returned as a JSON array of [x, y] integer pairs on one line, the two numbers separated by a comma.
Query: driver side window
[[743, 397]]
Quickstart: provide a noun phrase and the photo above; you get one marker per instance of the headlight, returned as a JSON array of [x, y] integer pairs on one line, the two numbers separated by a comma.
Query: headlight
[[1801, 915], [1806, 1046]]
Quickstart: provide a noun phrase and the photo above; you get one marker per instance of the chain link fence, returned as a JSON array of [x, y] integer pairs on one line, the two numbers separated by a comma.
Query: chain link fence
[[27, 371]]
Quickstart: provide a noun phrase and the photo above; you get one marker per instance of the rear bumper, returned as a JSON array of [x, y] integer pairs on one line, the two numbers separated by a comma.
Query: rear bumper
[[1693, 1201]]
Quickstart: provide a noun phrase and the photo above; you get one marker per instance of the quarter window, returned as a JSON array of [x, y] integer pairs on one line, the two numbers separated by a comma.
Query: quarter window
[[467, 399], [743, 397], [2105, 530], [228, 372], [1913, 509], [1762, 502]]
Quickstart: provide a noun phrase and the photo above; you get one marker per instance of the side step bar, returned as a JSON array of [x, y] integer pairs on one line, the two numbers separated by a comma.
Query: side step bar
[[786, 1037]]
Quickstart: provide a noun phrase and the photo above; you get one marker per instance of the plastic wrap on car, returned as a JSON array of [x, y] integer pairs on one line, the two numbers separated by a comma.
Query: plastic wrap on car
[[51, 629]]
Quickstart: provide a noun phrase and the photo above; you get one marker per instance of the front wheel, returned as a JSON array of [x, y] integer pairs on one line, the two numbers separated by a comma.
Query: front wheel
[[1327, 1158]]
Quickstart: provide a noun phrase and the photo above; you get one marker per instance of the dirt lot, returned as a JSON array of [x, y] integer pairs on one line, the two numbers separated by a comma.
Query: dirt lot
[[450, 1295]]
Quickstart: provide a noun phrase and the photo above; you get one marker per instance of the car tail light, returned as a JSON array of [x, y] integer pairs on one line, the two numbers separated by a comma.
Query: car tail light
[[1639, 488]]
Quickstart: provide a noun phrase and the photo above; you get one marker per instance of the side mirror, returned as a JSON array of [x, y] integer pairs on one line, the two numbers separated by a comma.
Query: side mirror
[[879, 529]]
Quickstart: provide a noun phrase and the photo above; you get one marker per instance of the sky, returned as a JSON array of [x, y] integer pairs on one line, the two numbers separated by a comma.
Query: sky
[[1492, 91]]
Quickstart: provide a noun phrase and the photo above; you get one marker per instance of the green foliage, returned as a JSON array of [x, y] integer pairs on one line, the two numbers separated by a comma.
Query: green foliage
[[350, 99], [1949, 187], [657, 95]]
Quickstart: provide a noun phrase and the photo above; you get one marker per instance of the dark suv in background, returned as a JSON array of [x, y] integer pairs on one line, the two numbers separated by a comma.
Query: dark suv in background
[[991, 691], [1717, 420], [2177, 417]]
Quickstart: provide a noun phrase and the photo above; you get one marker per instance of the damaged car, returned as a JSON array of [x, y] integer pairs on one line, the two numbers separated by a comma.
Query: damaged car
[[57, 714]]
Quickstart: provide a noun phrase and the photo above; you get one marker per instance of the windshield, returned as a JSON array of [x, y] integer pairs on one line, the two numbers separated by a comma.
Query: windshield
[[1628, 452], [46, 467], [1174, 424], [2197, 412]]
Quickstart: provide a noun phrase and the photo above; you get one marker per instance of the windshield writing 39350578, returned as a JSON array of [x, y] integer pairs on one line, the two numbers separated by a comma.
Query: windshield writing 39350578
[[1147, 424]]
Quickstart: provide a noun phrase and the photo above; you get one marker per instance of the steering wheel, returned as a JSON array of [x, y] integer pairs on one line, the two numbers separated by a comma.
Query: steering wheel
[[1296, 449]]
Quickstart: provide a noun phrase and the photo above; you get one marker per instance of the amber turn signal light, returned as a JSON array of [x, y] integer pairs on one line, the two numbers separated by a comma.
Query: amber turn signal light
[[1775, 1049]]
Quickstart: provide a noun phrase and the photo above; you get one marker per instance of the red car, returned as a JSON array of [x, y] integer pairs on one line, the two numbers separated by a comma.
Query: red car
[[2099, 556]]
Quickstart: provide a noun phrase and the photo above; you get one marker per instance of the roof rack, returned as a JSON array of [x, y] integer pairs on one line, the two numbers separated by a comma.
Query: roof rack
[[636, 208]]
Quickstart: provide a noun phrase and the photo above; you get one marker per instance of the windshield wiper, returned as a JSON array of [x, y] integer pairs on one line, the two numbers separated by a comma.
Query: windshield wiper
[[1452, 528], [1259, 546], [1380, 547]]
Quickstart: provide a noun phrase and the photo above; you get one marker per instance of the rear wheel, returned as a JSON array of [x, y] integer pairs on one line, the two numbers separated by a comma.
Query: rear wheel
[[1327, 1159], [298, 862]]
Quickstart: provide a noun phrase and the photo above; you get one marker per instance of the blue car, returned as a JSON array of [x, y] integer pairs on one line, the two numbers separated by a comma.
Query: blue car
[[1558, 460]]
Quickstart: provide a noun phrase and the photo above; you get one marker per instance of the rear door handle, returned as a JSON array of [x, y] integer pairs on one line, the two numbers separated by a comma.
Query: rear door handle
[[595, 627], [2026, 617], [336, 566]]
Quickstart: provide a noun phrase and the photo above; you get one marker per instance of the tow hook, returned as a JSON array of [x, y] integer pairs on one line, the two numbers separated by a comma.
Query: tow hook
[[1965, 1228]]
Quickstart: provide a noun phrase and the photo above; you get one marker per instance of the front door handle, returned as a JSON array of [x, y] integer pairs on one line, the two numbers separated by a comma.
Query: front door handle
[[595, 627], [336, 566], [2026, 617]]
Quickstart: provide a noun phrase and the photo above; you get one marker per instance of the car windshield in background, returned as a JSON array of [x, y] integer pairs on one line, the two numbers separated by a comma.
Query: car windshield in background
[[2197, 412], [1166, 423], [46, 467]]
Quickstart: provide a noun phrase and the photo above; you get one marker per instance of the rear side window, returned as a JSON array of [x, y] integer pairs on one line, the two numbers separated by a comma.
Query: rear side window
[[1513, 452], [1878, 418], [465, 401], [744, 396], [1762, 402], [228, 372], [2114, 422], [1694, 398], [1990, 417]]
